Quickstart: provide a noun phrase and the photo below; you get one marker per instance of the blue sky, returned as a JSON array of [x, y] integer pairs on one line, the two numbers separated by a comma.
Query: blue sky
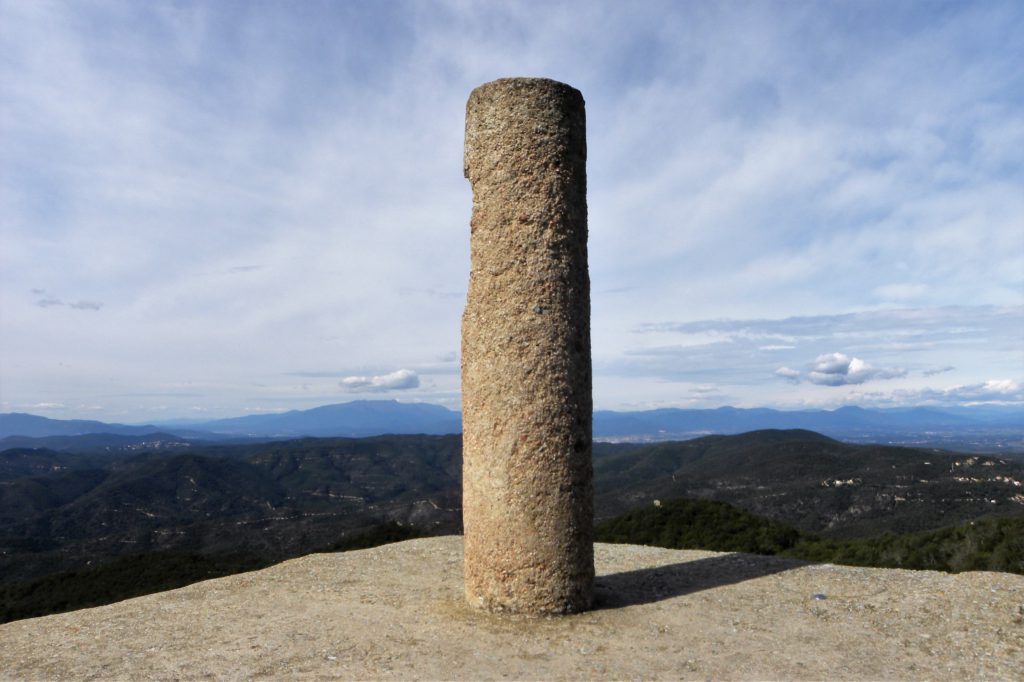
[[219, 208]]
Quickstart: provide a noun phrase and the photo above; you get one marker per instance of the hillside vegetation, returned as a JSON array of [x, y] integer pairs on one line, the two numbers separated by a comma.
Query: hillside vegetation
[[987, 544], [813, 483]]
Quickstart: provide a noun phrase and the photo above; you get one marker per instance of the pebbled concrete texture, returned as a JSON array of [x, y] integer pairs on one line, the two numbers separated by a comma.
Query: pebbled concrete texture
[[526, 368], [398, 612]]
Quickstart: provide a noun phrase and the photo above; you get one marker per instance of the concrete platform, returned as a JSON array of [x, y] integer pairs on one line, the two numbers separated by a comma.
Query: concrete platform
[[396, 612]]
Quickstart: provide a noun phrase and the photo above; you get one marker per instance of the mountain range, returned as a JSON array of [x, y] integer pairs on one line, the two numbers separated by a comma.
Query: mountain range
[[354, 419], [977, 428]]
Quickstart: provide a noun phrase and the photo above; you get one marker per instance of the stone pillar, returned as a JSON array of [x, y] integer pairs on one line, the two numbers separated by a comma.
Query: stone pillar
[[526, 375]]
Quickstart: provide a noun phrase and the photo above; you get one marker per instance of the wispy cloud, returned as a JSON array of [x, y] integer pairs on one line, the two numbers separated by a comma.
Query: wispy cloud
[[901, 347], [907, 324], [317, 374], [788, 341], [997, 391], [46, 406], [46, 300]]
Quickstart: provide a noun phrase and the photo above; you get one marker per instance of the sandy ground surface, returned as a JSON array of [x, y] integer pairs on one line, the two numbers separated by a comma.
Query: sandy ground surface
[[396, 612]]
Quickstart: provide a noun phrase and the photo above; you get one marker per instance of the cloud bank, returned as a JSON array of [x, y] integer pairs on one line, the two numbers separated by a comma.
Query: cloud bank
[[993, 391], [907, 349], [251, 187]]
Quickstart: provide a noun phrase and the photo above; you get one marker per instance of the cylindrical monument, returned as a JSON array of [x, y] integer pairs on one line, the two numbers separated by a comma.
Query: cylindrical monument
[[526, 372]]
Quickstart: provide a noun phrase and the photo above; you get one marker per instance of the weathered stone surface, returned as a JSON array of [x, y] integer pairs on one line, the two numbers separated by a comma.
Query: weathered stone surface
[[526, 372], [398, 612]]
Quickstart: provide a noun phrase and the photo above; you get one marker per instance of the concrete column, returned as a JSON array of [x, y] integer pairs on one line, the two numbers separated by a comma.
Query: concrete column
[[526, 374]]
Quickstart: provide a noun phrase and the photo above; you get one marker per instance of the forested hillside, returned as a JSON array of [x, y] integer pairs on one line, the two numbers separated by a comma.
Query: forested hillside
[[114, 522], [986, 544]]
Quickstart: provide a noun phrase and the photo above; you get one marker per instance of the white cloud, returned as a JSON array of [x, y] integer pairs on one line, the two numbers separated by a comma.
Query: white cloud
[[838, 369], [399, 380], [790, 375], [1001, 387]]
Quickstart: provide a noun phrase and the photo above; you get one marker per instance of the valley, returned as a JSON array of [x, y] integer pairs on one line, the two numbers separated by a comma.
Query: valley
[[74, 522]]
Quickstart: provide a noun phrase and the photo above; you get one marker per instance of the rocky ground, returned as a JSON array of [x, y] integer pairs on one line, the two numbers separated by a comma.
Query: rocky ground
[[396, 612]]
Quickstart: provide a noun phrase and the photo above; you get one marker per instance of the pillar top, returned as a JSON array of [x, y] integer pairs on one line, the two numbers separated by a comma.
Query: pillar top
[[514, 114], [533, 83]]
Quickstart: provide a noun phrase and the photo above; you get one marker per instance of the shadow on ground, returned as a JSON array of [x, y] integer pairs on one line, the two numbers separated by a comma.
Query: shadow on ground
[[648, 585]]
